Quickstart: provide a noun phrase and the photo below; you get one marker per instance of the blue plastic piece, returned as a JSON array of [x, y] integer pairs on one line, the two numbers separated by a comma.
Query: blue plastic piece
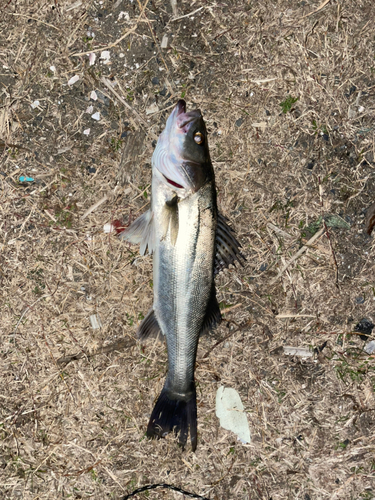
[[26, 179]]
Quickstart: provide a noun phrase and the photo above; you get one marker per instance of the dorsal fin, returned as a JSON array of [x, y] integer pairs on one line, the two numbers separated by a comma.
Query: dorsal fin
[[227, 246]]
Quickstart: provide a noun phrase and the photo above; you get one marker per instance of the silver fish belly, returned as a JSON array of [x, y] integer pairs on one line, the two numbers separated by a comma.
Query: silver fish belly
[[183, 285]]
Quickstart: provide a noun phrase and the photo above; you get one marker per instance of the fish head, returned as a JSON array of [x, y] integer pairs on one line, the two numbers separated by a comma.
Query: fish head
[[181, 155]]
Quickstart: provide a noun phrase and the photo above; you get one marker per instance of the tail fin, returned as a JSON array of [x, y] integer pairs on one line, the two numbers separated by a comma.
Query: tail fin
[[175, 412]]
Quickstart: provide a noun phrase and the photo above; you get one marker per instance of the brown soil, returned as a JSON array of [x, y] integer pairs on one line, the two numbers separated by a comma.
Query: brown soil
[[287, 90]]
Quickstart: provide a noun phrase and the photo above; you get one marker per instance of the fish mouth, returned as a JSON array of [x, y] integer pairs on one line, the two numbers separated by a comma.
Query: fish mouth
[[182, 118], [173, 183], [180, 107]]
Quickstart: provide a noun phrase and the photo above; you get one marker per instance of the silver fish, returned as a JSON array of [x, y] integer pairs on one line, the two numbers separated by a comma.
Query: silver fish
[[190, 243]]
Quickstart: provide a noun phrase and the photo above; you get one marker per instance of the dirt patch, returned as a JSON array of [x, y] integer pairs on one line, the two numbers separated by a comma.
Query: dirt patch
[[288, 95]]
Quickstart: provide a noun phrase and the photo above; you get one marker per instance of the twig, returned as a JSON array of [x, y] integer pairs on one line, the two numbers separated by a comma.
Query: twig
[[132, 30], [107, 83], [25, 311], [299, 253], [118, 345], [224, 338], [228, 309], [188, 15], [316, 10], [333, 254], [35, 19], [286, 315], [106, 47], [94, 207]]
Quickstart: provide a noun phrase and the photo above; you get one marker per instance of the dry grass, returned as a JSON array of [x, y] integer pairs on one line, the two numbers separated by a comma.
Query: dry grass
[[76, 429]]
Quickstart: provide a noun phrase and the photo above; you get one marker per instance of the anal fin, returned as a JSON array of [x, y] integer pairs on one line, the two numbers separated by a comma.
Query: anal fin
[[213, 314], [149, 328]]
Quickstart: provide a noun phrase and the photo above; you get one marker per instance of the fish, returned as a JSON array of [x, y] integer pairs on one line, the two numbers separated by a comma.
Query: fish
[[190, 242]]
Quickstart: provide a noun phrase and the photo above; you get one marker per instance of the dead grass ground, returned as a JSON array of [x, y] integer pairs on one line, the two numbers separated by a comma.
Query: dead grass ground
[[284, 167]]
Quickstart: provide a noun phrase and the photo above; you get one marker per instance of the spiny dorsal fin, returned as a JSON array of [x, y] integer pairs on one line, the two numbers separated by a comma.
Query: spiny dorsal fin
[[227, 246]]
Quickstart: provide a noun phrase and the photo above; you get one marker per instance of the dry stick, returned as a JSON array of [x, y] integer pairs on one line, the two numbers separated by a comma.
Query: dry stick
[[119, 344], [328, 237], [142, 122], [299, 253], [106, 47], [35, 19], [132, 30], [227, 310], [317, 10], [108, 84], [27, 308], [54, 361], [239, 328], [94, 207], [190, 14], [333, 255]]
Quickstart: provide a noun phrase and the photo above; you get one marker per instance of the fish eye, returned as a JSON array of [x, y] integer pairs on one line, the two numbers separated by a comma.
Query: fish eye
[[198, 137]]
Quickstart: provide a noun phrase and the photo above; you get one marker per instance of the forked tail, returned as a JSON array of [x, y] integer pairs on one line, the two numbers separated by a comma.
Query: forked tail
[[177, 412]]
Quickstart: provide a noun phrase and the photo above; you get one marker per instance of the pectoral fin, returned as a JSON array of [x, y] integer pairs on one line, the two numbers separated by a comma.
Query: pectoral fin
[[170, 219], [227, 246], [142, 232]]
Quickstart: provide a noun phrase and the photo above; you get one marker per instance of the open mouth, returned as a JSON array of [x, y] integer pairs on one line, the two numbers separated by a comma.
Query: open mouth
[[184, 118], [174, 183], [181, 107]]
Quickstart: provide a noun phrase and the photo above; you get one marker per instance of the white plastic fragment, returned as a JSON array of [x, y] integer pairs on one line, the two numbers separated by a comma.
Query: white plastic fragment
[[89, 109], [92, 58], [124, 15], [230, 412], [96, 116], [35, 104], [370, 347], [95, 321], [164, 42], [303, 352], [108, 228], [361, 109], [53, 69], [152, 109], [105, 56], [86, 131], [73, 80], [94, 96]]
